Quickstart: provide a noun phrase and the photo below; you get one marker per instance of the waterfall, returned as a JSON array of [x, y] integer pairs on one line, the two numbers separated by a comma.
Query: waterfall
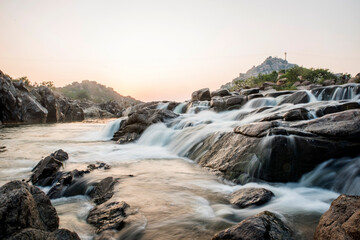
[[333, 93], [340, 175], [180, 108], [260, 102], [162, 105], [110, 128]]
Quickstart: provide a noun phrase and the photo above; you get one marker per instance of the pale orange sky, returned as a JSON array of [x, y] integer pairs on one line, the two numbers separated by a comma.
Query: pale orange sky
[[165, 49]]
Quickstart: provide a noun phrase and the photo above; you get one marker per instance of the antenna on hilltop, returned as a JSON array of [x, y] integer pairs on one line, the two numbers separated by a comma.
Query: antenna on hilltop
[[285, 62]]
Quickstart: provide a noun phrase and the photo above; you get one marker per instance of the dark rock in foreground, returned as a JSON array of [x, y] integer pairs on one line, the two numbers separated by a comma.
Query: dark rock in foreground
[[45, 172], [103, 190], [26, 213], [263, 226], [247, 197], [138, 121], [341, 221], [109, 216]]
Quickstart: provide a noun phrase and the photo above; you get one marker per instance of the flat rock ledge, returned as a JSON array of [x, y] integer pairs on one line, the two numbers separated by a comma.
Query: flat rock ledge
[[263, 226], [247, 197]]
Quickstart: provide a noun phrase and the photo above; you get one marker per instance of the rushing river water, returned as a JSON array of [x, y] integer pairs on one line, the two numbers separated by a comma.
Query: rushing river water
[[175, 198]]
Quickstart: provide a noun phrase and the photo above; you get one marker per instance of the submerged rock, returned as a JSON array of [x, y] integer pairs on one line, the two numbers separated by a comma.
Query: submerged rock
[[341, 221], [263, 226], [247, 197], [108, 216]]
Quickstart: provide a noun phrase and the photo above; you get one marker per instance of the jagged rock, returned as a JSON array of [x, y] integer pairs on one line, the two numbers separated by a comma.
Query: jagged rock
[[220, 93], [247, 92], [201, 95], [137, 122], [18, 105], [45, 172], [47, 99], [247, 197], [109, 216], [36, 234], [96, 112], [71, 110], [24, 206], [112, 107], [296, 114], [341, 221], [263, 226], [296, 98], [104, 190]]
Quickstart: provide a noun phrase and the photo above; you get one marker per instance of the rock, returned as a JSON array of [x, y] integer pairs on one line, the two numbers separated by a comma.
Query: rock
[[305, 83], [281, 82], [296, 98], [256, 95], [24, 206], [31, 233], [235, 100], [297, 83], [218, 104], [329, 82], [297, 114], [263, 226], [246, 197], [71, 110], [341, 221], [96, 112], [103, 191], [250, 91], [47, 99], [201, 95], [137, 122], [112, 107], [18, 105], [45, 172], [109, 216], [220, 93], [278, 93]]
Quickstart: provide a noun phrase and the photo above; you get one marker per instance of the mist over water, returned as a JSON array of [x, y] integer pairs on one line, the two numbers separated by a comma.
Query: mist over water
[[175, 198]]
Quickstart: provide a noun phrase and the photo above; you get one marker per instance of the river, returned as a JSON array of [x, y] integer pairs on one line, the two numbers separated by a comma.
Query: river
[[174, 197]]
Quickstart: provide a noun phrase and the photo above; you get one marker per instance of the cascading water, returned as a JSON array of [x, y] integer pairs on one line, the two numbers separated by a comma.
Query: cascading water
[[335, 93]]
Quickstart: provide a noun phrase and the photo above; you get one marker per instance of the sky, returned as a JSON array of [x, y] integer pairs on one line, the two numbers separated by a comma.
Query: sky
[[166, 49]]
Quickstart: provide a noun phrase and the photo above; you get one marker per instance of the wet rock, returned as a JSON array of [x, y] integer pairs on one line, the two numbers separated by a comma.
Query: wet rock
[[256, 95], [247, 197], [45, 172], [104, 190], [109, 216], [263, 226], [31, 233], [218, 104], [296, 98], [201, 95], [25, 206], [257, 129], [235, 102], [247, 92], [220, 93], [341, 221], [278, 93], [296, 115], [137, 122]]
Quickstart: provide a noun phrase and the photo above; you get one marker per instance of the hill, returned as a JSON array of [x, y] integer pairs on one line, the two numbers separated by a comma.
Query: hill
[[93, 91]]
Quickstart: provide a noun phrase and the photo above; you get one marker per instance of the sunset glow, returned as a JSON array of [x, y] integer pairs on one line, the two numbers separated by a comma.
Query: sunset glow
[[164, 50]]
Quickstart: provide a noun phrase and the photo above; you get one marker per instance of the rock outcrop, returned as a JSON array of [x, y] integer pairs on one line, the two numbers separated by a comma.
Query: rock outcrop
[[201, 95], [131, 129], [341, 221], [26, 213], [263, 226]]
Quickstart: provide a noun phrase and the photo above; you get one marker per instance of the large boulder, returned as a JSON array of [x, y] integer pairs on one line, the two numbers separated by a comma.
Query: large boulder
[[263, 226], [71, 110], [341, 221], [26, 213], [131, 129], [296, 98], [278, 151], [17, 104], [246, 197], [201, 95], [220, 93]]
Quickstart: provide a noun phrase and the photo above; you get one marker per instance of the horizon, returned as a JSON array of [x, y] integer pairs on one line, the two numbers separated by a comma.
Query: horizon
[[165, 50]]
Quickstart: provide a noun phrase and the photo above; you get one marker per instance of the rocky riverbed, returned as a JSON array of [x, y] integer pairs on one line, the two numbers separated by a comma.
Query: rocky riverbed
[[272, 164]]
